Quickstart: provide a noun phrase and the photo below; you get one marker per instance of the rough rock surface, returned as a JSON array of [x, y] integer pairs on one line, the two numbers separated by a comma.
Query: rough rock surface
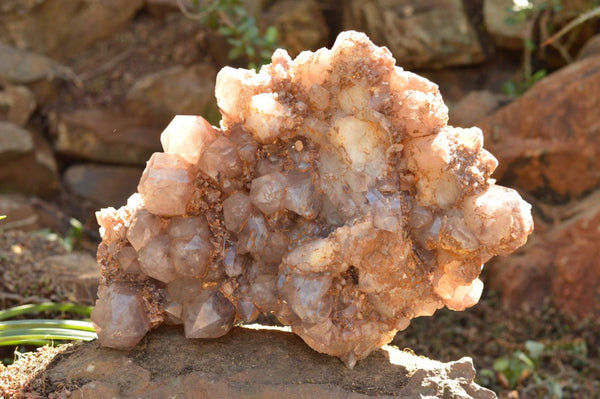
[[102, 184], [300, 25], [590, 49], [30, 214], [241, 365], [334, 195], [501, 22], [75, 276], [405, 28], [39, 73], [16, 104], [177, 90], [105, 135], [504, 20], [62, 27], [475, 106], [559, 263], [548, 141], [27, 163]]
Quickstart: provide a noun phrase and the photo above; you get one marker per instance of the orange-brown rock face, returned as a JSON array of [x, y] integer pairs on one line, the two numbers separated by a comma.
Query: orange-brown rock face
[[333, 195]]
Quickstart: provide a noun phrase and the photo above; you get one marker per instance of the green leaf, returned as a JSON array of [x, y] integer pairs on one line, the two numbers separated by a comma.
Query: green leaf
[[538, 75], [530, 44], [234, 53], [234, 42], [226, 30], [250, 51], [555, 388], [271, 35], [501, 364], [80, 325], [46, 306], [265, 55], [246, 24], [535, 349], [525, 359], [509, 88], [18, 336]]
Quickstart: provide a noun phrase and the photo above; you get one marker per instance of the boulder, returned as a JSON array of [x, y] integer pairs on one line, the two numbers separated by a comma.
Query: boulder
[[405, 27], [29, 214], [174, 91], [73, 276], [63, 28], [106, 135], [475, 106], [300, 25], [27, 162], [590, 48], [548, 141], [559, 263], [41, 74], [102, 184], [501, 22], [265, 363], [15, 141], [17, 103], [507, 20]]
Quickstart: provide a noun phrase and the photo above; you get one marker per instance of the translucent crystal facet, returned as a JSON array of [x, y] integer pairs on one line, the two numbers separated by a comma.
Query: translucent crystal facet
[[209, 315], [166, 184], [120, 317], [334, 195]]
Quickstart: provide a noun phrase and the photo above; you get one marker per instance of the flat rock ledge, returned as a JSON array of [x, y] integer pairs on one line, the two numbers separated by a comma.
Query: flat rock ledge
[[251, 363]]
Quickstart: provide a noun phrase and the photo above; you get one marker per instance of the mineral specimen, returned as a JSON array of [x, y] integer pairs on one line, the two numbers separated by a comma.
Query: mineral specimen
[[334, 195]]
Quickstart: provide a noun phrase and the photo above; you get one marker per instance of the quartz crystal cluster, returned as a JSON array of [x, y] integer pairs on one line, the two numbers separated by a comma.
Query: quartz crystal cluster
[[334, 195]]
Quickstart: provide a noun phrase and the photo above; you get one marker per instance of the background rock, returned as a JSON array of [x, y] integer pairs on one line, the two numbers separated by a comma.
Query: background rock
[[559, 264], [249, 363], [62, 27], [405, 27], [500, 17], [475, 106], [17, 103], [41, 74], [106, 135], [27, 162], [30, 214], [591, 48], [175, 91], [300, 25], [101, 184], [74, 276], [548, 140], [14, 141]]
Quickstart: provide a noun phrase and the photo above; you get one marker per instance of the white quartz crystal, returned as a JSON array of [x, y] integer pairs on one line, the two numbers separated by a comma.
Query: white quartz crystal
[[334, 195]]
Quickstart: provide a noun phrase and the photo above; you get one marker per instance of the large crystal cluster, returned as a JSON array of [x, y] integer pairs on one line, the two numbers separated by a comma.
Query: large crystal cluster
[[334, 195]]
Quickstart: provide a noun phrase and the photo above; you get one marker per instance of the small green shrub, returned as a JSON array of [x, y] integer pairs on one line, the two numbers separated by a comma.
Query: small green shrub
[[231, 20]]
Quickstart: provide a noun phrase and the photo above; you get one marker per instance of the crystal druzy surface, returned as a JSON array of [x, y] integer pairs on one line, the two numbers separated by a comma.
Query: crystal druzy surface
[[334, 194]]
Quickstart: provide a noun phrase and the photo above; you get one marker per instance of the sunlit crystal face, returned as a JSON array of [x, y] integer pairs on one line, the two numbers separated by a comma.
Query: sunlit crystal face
[[334, 195]]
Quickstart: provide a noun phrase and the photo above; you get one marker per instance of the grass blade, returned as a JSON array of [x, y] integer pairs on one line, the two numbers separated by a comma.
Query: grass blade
[[45, 306], [19, 336], [79, 325]]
